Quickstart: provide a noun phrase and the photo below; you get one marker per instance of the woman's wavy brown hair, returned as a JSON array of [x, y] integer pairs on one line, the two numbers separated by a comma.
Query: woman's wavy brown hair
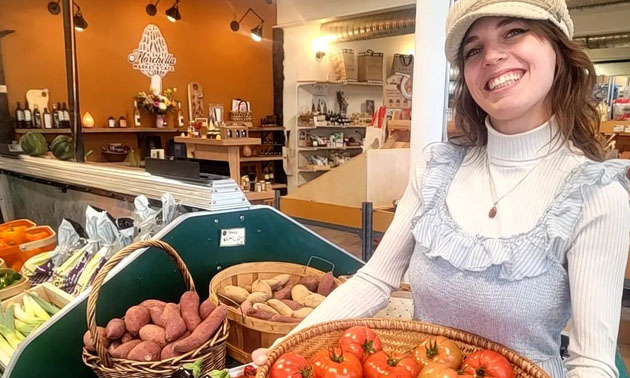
[[571, 97]]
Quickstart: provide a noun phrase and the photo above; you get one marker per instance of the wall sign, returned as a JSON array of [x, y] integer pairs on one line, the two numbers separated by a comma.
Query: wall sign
[[152, 57]]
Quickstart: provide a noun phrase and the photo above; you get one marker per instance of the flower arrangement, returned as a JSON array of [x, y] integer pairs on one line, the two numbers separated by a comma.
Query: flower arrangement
[[159, 104]]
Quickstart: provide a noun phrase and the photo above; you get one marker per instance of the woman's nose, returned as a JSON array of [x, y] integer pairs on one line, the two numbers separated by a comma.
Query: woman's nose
[[493, 55]]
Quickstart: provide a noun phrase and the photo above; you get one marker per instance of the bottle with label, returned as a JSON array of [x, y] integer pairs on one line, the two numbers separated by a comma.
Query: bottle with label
[[180, 115], [111, 121], [19, 117], [48, 121], [28, 118], [136, 115], [122, 122], [266, 173], [66, 117], [56, 117], [37, 118], [271, 175]]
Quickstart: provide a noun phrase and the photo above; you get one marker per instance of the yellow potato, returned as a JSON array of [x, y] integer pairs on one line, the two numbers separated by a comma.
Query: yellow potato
[[235, 293], [303, 313], [280, 307], [299, 294]]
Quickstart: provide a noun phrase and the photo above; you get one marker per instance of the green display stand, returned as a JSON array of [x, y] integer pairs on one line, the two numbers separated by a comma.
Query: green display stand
[[55, 350]]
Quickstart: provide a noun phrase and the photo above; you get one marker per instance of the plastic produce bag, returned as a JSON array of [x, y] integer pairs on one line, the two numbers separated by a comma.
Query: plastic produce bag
[[109, 242], [39, 268], [145, 219], [66, 275]]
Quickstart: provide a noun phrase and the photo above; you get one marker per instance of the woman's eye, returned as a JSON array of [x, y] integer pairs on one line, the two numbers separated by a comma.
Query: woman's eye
[[515, 32], [471, 53]]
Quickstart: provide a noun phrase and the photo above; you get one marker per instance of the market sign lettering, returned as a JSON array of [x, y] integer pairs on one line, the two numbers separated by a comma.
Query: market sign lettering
[[152, 57]]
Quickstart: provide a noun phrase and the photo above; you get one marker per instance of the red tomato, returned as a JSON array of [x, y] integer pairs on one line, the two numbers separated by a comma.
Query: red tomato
[[334, 363], [438, 349], [380, 364], [487, 364], [291, 365], [439, 370], [360, 341]]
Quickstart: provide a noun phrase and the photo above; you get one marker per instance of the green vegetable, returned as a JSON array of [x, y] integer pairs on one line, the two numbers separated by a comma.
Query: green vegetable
[[9, 278], [61, 147], [219, 374], [195, 367], [48, 307], [34, 144]]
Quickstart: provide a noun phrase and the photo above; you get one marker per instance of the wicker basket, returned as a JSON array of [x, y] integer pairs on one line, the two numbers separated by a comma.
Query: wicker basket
[[248, 333], [105, 366], [397, 336]]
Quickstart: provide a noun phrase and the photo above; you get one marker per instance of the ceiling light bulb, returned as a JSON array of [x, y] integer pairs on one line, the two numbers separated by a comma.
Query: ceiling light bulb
[[172, 13], [257, 33]]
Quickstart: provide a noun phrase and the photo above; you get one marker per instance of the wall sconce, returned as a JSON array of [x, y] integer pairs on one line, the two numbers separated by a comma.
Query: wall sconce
[[80, 23], [320, 45], [151, 8], [257, 32], [172, 13]]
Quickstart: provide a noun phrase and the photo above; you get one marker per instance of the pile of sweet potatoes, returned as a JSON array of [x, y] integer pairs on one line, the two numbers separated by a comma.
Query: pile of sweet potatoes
[[155, 330], [281, 298]]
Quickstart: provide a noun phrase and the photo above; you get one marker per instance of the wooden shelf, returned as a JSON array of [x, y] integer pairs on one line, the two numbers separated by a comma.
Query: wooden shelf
[[278, 186], [260, 158], [339, 127], [315, 169], [100, 130], [221, 142], [608, 127], [329, 148], [43, 131], [357, 83], [267, 128]]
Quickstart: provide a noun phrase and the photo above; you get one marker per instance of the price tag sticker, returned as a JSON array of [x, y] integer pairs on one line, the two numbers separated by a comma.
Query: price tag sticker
[[3, 89], [232, 237]]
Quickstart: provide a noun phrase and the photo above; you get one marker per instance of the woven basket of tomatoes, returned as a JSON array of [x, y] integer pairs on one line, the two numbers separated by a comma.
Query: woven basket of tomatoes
[[386, 348]]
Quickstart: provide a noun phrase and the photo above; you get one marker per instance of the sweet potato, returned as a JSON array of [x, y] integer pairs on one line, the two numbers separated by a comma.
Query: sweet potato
[[248, 288], [203, 332], [89, 343], [326, 284], [206, 308], [246, 307], [145, 351], [258, 297], [265, 307], [151, 332], [126, 338], [169, 352], [313, 300], [310, 282], [299, 294], [156, 315], [303, 313], [284, 292], [113, 345], [174, 325], [123, 350], [260, 286], [262, 315], [292, 304], [153, 303], [285, 319], [235, 293], [189, 307], [278, 281], [115, 329], [280, 307], [135, 318]]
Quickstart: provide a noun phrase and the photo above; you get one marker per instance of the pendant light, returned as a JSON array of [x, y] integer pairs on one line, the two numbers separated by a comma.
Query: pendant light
[[257, 32], [172, 13], [80, 23], [151, 8]]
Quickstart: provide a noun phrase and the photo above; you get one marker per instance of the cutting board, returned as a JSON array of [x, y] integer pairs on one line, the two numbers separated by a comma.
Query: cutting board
[[39, 97]]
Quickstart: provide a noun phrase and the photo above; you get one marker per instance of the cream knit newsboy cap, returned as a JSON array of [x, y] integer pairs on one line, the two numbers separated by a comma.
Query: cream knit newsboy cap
[[465, 12]]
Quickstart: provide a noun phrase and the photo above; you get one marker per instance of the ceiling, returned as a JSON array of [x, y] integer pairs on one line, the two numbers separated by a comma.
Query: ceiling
[[579, 4]]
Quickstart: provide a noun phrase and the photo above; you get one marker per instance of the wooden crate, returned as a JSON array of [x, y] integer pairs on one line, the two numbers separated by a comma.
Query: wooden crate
[[45, 291]]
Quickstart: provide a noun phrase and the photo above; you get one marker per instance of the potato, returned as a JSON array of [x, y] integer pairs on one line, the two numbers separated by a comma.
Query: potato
[[258, 297], [313, 300], [299, 294], [174, 325], [123, 350], [145, 351], [248, 288], [292, 304], [326, 284], [246, 307], [262, 315], [285, 319], [153, 303], [303, 313], [264, 307], [203, 332], [260, 286], [235, 293], [126, 338], [284, 292], [113, 345], [310, 282], [280, 307], [89, 343], [156, 315], [189, 306], [169, 352], [135, 318], [206, 308], [278, 281], [115, 329], [151, 332]]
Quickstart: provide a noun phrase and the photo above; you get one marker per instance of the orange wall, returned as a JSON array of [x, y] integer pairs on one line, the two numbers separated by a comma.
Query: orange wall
[[227, 64]]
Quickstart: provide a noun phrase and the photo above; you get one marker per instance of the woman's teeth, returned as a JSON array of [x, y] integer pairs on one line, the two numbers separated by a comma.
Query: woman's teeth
[[504, 80]]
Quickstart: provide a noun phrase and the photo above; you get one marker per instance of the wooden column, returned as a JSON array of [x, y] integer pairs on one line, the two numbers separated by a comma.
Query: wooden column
[[7, 129]]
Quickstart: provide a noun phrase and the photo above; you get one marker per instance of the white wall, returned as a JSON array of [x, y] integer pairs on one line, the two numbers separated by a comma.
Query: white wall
[[299, 11]]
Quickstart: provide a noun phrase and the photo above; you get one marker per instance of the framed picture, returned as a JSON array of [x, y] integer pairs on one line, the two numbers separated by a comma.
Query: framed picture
[[215, 113], [204, 121]]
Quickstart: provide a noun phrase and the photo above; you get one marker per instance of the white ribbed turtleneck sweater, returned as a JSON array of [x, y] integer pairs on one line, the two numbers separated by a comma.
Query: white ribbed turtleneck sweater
[[595, 259]]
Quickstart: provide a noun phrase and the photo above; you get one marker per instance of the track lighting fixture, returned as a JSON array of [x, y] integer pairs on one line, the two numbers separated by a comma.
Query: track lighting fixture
[[172, 13], [257, 32], [151, 8], [79, 21]]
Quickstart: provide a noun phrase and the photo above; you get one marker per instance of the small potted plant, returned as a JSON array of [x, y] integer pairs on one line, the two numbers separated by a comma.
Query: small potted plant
[[157, 104]]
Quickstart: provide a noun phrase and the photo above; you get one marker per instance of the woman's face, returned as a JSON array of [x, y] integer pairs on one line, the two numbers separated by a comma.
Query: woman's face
[[509, 72]]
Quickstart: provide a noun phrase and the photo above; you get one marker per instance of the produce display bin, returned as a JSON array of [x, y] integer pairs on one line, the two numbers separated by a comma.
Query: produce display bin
[[257, 233]]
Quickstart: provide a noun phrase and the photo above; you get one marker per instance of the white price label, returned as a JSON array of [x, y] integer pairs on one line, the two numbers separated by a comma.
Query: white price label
[[627, 129], [3, 89], [232, 237]]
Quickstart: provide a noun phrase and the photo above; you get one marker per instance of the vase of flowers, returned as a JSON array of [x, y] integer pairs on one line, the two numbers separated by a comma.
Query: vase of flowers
[[157, 104]]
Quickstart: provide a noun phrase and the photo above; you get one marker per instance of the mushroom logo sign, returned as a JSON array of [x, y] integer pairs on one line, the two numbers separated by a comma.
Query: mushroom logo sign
[[152, 57]]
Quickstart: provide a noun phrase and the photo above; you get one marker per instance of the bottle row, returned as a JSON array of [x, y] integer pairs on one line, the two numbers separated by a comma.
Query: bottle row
[[36, 119]]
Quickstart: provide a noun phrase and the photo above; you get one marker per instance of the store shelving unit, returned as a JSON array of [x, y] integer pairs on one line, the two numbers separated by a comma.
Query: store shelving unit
[[102, 130]]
